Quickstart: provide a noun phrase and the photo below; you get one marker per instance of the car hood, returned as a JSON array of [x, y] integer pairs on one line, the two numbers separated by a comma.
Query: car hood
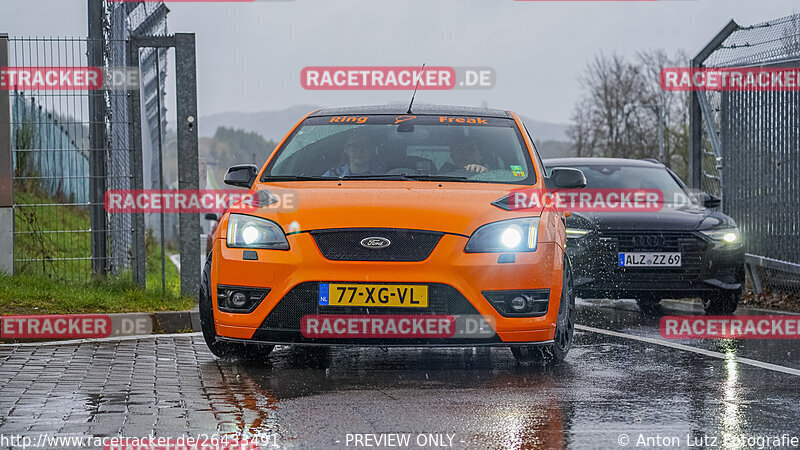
[[687, 218], [458, 208]]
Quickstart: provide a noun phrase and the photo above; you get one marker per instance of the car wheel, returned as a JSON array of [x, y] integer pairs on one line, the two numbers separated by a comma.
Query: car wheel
[[721, 302], [220, 349], [565, 328]]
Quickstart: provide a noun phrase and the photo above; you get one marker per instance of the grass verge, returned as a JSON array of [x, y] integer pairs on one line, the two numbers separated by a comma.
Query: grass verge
[[32, 294]]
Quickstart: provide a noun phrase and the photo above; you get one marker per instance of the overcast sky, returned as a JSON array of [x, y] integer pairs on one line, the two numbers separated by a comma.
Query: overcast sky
[[250, 54]]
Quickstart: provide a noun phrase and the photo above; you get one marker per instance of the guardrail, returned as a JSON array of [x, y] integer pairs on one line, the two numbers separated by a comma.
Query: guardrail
[[753, 262]]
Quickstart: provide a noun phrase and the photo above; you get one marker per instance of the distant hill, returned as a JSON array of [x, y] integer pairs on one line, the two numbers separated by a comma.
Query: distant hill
[[273, 125]]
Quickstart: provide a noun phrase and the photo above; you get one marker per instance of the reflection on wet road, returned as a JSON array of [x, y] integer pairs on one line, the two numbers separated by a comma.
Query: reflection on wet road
[[609, 386]]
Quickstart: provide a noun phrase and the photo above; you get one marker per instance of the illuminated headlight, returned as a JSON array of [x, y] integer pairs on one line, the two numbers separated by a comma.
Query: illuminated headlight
[[728, 236], [576, 233], [516, 235], [254, 232]]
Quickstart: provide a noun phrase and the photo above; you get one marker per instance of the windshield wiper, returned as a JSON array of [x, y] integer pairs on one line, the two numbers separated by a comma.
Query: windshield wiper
[[389, 177], [296, 178], [405, 177], [435, 178]]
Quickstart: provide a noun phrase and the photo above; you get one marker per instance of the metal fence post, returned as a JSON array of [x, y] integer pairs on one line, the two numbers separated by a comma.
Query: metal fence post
[[188, 167], [695, 143], [139, 269], [696, 114], [6, 172], [97, 145]]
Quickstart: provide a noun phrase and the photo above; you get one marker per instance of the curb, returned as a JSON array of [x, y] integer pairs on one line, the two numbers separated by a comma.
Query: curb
[[124, 324], [99, 340]]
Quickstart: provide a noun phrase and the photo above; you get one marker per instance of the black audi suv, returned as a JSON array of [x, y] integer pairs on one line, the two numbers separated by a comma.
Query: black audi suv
[[682, 248]]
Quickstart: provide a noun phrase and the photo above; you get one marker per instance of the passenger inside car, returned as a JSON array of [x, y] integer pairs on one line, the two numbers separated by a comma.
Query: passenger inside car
[[466, 156], [361, 159]]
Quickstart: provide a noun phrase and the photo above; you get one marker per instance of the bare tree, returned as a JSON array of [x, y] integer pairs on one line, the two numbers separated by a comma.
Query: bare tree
[[619, 112]]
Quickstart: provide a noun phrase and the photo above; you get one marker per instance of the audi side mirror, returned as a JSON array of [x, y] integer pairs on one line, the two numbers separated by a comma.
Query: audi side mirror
[[243, 175], [566, 178], [708, 200]]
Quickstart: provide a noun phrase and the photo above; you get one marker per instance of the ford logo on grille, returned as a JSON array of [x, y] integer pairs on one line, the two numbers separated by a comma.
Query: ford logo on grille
[[375, 243]]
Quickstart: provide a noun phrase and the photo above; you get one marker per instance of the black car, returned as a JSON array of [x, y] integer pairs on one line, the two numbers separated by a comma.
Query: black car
[[683, 249]]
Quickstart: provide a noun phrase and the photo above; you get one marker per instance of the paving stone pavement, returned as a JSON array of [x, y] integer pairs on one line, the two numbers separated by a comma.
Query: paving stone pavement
[[171, 386], [135, 388]]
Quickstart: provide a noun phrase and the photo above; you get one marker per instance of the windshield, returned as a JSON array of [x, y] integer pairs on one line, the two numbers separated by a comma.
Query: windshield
[[471, 149], [633, 177]]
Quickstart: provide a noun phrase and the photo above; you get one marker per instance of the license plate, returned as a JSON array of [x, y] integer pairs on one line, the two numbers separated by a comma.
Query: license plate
[[378, 295], [650, 260]]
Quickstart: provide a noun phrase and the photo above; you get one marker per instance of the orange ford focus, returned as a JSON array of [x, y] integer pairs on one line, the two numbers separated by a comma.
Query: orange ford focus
[[374, 226]]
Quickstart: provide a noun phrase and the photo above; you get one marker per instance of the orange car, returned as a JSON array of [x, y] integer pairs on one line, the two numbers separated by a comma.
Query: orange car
[[377, 226]]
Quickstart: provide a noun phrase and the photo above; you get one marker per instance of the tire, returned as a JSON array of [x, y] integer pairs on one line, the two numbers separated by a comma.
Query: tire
[[565, 328], [724, 302], [221, 349]]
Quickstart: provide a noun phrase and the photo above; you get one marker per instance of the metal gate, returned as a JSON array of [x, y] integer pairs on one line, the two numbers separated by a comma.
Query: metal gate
[[746, 148], [69, 147]]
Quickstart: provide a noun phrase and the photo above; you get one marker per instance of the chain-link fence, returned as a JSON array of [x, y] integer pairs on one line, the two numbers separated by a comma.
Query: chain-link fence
[[52, 173], [121, 21], [751, 149], [69, 146]]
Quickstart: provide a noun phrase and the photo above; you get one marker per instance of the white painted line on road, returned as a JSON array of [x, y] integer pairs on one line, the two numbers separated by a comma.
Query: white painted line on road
[[108, 339], [687, 348]]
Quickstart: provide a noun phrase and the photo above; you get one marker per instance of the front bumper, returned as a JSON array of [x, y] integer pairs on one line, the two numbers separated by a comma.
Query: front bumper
[[707, 267], [455, 278]]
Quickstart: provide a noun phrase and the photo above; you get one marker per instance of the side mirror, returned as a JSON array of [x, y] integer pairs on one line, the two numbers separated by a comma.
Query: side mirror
[[566, 178], [708, 200], [212, 217], [243, 175]]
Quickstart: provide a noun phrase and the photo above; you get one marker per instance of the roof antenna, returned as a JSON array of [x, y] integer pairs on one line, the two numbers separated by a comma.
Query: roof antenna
[[415, 90]]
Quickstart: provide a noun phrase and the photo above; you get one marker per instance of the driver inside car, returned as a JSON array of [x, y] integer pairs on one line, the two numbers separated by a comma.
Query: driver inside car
[[360, 159], [466, 156]]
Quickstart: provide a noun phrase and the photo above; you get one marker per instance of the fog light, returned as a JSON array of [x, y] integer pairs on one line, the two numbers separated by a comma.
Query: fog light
[[518, 304], [238, 299]]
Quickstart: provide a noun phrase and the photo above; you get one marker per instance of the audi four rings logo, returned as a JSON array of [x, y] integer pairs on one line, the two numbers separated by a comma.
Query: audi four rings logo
[[649, 241], [375, 243]]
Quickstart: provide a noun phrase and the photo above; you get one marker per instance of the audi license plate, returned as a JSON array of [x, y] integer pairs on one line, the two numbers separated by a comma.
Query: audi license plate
[[396, 295], [649, 259]]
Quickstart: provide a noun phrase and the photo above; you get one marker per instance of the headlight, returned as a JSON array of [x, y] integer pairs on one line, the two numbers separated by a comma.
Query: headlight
[[577, 233], [254, 232], [516, 235], [729, 236]]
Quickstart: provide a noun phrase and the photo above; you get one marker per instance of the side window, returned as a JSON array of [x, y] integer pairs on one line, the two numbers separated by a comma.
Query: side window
[[537, 160]]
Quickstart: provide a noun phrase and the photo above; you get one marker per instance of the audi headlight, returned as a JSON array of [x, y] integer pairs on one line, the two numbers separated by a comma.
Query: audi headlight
[[516, 235], [254, 232], [577, 233], [728, 236]]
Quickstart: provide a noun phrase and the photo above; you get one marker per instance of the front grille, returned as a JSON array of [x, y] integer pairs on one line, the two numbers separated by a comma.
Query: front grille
[[406, 245], [610, 243], [303, 299]]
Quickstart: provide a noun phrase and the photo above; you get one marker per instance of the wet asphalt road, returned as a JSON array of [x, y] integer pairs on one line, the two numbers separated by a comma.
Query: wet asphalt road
[[611, 388]]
